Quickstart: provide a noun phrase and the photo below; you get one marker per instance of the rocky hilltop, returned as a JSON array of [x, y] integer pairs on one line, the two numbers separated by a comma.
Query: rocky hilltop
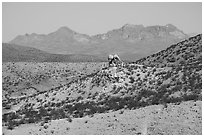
[[131, 42]]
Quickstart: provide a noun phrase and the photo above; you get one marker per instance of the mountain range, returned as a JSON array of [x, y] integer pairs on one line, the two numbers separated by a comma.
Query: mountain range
[[130, 42]]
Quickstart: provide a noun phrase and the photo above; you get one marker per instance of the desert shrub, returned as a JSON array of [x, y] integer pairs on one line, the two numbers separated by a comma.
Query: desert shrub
[[171, 59], [45, 126], [58, 104], [175, 99], [176, 88], [81, 114], [52, 104], [46, 105], [190, 97], [11, 126], [7, 106], [161, 91], [46, 119], [43, 111], [69, 119], [132, 80], [57, 113], [5, 118], [31, 120], [22, 121], [121, 112], [168, 75], [159, 82], [61, 113], [144, 67], [10, 117], [79, 98]]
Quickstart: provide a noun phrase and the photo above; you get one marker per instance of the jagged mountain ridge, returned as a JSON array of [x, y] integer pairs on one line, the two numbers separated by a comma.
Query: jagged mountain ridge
[[141, 41]]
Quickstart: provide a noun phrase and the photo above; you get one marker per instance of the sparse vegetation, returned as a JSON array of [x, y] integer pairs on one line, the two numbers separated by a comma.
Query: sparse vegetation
[[166, 80]]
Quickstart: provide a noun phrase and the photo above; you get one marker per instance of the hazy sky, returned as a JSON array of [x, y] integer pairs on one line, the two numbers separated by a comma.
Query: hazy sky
[[95, 18]]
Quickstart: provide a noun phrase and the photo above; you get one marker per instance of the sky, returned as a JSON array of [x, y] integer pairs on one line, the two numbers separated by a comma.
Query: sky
[[96, 18]]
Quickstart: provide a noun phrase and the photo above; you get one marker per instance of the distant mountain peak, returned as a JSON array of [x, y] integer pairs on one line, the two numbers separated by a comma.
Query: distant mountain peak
[[129, 25], [64, 29], [132, 26], [171, 26]]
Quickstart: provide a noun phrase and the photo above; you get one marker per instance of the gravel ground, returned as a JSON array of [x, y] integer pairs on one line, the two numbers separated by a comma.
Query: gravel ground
[[182, 119]]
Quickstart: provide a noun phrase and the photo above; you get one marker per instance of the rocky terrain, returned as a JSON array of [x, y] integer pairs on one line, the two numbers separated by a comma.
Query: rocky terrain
[[141, 41], [143, 98], [24, 77]]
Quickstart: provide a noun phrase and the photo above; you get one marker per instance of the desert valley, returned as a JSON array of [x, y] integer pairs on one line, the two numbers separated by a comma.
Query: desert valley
[[157, 90]]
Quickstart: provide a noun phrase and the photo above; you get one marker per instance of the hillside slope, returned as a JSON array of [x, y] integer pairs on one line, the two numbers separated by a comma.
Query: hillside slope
[[188, 53], [17, 53]]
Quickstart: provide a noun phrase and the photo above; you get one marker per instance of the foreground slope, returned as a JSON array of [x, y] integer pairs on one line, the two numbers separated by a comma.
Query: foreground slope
[[180, 119]]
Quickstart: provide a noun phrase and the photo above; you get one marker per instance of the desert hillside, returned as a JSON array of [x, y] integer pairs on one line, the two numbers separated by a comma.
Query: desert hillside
[[77, 95], [185, 53], [17, 53]]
